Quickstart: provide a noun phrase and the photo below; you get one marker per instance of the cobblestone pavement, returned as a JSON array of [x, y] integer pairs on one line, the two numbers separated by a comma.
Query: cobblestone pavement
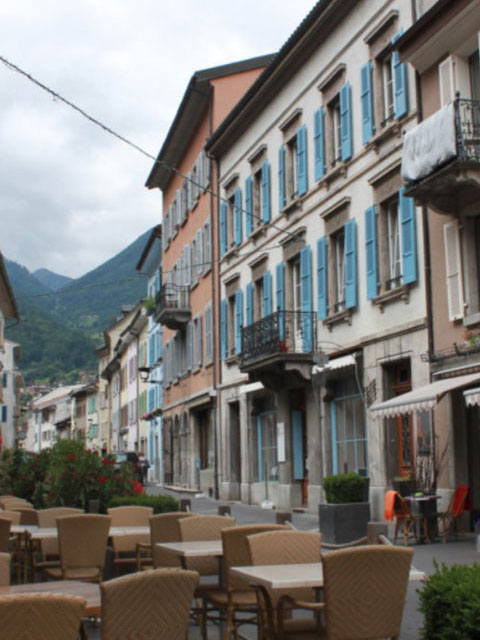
[[455, 552]]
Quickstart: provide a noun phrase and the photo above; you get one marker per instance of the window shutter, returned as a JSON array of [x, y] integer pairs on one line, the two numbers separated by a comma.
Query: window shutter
[[322, 282], [238, 216], [223, 228], [346, 121], [280, 292], [267, 294], [189, 191], [306, 297], [200, 171], [183, 205], [266, 208], [249, 303], [189, 345], [238, 320], [248, 205], [302, 162], [350, 264], [453, 266], [319, 142], [297, 445], [151, 350], [4, 380], [282, 200], [187, 265], [371, 251], [206, 171], [400, 80], [366, 95], [223, 329], [208, 334], [199, 257], [409, 250], [198, 342], [207, 246]]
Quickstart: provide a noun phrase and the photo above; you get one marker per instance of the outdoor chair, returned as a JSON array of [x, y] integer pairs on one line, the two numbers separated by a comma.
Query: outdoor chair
[[11, 502], [237, 594], [284, 547], [412, 525], [82, 541], [45, 552], [5, 559], [364, 593], [38, 616], [163, 528], [5, 525], [149, 604], [13, 516], [451, 520], [28, 516], [125, 547]]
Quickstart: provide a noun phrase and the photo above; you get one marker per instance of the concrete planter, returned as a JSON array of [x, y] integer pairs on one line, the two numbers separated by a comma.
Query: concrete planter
[[341, 523]]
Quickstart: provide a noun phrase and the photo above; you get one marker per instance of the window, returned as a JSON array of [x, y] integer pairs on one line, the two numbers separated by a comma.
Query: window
[[207, 246], [208, 334], [257, 197], [462, 263], [349, 437], [197, 342], [384, 86], [338, 251], [336, 130], [335, 133], [293, 171], [394, 266], [227, 224], [266, 436], [386, 65], [235, 323]]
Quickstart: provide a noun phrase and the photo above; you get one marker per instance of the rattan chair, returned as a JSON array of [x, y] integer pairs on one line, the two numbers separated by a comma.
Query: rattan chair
[[28, 516], [284, 547], [11, 502], [82, 541], [237, 595], [364, 593], [125, 547], [5, 560], [13, 516], [149, 604], [413, 525], [38, 616], [451, 521], [45, 552], [5, 525], [163, 528]]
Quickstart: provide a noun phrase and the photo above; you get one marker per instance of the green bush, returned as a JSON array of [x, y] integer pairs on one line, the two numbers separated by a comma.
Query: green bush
[[450, 603], [160, 504], [346, 487]]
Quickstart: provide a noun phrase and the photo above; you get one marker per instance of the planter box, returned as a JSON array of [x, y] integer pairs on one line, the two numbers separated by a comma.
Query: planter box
[[341, 523]]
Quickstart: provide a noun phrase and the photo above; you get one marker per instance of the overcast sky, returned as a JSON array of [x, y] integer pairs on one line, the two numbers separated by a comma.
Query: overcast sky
[[72, 196]]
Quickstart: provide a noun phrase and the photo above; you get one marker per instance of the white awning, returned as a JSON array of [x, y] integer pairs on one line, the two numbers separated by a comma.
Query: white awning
[[421, 399], [335, 363], [251, 387], [472, 397]]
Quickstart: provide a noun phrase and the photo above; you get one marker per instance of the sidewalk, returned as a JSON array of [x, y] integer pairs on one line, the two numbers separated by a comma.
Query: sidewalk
[[455, 552]]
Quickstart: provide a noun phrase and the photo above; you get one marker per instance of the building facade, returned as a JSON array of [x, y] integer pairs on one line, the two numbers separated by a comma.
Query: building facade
[[9, 359]]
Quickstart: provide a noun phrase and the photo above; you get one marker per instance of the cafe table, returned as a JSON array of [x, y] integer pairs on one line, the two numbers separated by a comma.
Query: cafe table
[[46, 533], [193, 549], [426, 505]]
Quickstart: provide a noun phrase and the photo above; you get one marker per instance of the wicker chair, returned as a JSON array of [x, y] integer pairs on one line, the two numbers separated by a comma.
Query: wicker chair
[[28, 516], [13, 516], [82, 541], [150, 604], [45, 552], [409, 522], [364, 593], [284, 547], [5, 525], [5, 559], [163, 528], [451, 520], [237, 595], [41, 615], [125, 547], [11, 502]]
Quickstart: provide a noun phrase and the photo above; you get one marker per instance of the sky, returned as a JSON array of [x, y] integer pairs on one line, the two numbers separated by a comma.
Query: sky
[[72, 196]]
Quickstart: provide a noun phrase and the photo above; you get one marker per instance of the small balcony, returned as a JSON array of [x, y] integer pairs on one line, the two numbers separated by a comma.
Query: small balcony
[[441, 159], [172, 306], [278, 349]]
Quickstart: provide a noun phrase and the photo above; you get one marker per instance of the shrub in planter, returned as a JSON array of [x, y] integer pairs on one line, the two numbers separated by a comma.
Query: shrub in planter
[[345, 516], [346, 487], [160, 504], [450, 602]]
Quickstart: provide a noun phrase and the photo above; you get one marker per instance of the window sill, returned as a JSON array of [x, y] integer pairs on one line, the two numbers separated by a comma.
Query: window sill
[[387, 132], [400, 293], [293, 206], [233, 359], [338, 171], [337, 318], [258, 232], [231, 253]]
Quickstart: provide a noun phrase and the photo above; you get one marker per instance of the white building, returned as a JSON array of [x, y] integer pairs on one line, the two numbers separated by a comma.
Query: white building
[[51, 418], [11, 379]]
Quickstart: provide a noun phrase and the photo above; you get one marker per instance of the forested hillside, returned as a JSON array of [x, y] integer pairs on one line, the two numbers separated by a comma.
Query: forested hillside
[[53, 281]]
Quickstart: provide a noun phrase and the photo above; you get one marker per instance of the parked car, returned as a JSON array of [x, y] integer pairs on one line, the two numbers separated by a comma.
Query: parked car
[[129, 457]]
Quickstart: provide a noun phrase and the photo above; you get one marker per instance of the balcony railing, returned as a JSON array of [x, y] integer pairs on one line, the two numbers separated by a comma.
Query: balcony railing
[[172, 305], [282, 332], [467, 127]]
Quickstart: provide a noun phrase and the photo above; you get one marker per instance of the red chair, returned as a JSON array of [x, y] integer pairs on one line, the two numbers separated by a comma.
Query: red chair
[[451, 520]]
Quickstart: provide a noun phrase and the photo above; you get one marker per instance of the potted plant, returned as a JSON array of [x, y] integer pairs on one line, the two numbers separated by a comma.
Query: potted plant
[[149, 305], [346, 514]]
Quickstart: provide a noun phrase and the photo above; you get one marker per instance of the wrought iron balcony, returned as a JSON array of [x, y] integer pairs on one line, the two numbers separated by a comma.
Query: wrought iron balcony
[[441, 159], [280, 338], [172, 306]]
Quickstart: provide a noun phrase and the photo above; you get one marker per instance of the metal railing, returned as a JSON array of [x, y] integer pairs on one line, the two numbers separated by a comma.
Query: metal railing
[[172, 296], [467, 128], [280, 332]]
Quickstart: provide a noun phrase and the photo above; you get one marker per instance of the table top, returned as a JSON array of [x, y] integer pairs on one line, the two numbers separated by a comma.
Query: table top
[[88, 590], [51, 532], [420, 498], [292, 576], [23, 528], [193, 548]]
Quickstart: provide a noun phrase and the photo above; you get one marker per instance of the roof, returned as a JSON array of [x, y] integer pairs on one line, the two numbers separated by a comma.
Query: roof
[[55, 396], [156, 234], [306, 38], [189, 113], [8, 304]]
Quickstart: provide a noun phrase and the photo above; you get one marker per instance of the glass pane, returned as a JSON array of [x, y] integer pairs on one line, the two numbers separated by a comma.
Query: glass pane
[[349, 420], [351, 463]]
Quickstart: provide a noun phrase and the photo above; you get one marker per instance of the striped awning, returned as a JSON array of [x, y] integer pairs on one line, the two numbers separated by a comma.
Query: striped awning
[[472, 397], [422, 399], [335, 363]]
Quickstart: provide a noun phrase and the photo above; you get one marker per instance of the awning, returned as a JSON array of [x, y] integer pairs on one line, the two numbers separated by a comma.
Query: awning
[[421, 399], [335, 363], [472, 397]]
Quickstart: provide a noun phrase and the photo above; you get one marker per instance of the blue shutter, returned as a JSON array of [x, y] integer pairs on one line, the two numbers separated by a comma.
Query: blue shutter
[[302, 162], [266, 208], [282, 198], [238, 216], [306, 298], [223, 228], [297, 445], [322, 282], [4, 413], [238, 320], [249, 303], [4, 380], [248, 205], [346, 121], [319, 142], [267, 294], [409, 248], [371, 251], [400, 81], [151, 349], [223, 329], [350, 265], [366, 95], [280, 293]]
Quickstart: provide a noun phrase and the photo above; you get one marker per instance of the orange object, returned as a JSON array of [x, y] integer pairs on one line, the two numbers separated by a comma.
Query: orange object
[[390, 505]]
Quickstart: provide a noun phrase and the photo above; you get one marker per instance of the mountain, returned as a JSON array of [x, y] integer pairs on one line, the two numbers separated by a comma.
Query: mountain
[[51, 280]]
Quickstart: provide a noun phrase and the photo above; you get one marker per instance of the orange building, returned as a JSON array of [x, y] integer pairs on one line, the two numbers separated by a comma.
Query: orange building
[[186, 303]]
